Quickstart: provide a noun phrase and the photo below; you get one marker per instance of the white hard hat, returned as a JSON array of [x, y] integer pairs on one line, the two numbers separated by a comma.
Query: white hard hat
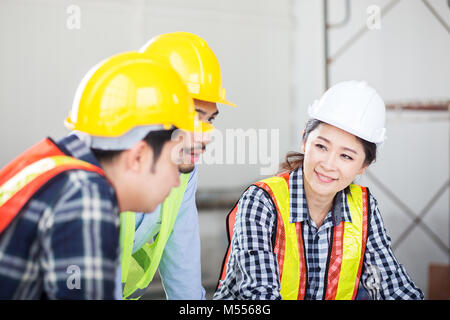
[[355, 107]]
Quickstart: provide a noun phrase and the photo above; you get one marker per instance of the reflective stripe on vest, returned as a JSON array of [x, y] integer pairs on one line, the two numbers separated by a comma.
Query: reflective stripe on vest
[[349, 244], [286, 243], [347, 248], [139, 268], [25, 175]]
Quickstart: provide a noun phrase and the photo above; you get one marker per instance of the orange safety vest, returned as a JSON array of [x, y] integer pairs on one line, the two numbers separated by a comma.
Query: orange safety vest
[[346, 252], [25, 175]]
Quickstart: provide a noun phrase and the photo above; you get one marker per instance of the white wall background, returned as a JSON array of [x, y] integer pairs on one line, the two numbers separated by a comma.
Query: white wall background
[[272, 58]]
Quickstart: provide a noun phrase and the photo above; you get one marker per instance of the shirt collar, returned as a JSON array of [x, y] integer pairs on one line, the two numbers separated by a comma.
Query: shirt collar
[[299, 206]]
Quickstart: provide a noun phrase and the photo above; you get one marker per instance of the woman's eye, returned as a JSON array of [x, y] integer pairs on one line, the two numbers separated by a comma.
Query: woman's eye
[[321, 146], [347, 157]]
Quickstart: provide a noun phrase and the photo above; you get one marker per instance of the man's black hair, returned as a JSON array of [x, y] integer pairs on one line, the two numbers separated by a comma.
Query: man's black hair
[[155, 139]]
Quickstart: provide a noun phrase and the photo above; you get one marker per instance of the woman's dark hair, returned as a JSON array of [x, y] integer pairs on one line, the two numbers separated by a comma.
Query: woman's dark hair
[[155, 139], [294, 160]]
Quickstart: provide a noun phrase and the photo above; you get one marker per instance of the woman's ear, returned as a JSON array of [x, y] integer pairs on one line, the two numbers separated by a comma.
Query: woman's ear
[[363, 169]]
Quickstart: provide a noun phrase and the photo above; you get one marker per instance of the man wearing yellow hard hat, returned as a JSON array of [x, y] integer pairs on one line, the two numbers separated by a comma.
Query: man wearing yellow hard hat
[[60, 200], [169, 239]]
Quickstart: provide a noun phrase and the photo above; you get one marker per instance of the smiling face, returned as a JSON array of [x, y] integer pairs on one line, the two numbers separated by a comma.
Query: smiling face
[[194, 144], [333, 158]]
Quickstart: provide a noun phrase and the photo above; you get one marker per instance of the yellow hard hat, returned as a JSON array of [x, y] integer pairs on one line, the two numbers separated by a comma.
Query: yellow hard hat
[[194, 60], [129, 90]]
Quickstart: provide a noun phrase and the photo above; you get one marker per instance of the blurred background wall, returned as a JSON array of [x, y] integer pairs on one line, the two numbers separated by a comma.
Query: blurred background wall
[[276, 56]]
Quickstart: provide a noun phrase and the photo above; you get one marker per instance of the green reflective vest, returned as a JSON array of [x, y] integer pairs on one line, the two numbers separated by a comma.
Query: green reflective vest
[[139, 268]]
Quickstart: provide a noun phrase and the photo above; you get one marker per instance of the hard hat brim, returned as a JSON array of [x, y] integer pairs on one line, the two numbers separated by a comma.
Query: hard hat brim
[[228, 103], [214, 100], [197, 126]]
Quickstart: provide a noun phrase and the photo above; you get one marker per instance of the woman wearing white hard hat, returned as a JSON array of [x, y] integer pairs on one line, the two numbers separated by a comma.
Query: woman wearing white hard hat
[[310, 233]]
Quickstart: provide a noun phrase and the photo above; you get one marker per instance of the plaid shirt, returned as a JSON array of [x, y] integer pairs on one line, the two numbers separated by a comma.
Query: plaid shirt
[[64, 244], [252, 271]]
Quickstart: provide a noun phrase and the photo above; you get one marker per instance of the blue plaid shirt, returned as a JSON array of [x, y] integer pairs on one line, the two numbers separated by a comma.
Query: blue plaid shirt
[[64, 244], [252, 271]]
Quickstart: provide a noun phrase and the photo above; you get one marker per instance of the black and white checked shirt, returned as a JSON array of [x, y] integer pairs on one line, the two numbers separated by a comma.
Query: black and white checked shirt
[[68, 231], [252, 271]]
